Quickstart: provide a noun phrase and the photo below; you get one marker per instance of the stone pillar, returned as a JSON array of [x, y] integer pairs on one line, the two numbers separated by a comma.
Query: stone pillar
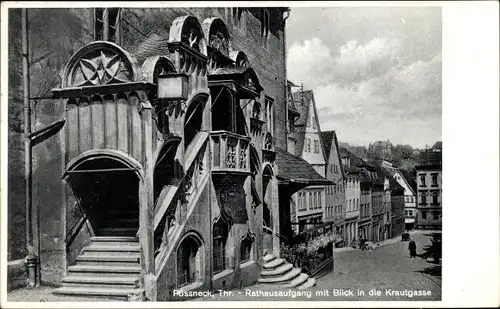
[[146, 206], [275, 215]]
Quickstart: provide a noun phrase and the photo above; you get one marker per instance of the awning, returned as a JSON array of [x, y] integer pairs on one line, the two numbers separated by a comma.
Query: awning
[[297, 171]]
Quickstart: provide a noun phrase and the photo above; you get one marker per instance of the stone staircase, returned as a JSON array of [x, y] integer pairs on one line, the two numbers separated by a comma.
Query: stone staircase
[[279, 271], [119, 222], [109, 267]]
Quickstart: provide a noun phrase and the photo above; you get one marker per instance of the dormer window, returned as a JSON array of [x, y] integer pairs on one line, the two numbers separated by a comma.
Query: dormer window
[[107, 25]]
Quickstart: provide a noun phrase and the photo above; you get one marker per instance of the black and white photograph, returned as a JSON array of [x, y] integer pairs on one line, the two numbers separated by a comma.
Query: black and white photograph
[[234, 152]]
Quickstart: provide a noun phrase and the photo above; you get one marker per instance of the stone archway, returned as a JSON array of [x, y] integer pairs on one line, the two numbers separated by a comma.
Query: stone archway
[[107, 185]]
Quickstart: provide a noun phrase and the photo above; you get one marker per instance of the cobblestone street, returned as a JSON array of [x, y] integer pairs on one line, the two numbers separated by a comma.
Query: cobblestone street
[[387, 267]]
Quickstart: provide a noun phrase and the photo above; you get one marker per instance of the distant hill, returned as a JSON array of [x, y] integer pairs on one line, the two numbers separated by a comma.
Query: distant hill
[[401, 156]]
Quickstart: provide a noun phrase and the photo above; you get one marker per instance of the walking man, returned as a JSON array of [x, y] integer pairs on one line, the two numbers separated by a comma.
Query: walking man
[[412, 246]]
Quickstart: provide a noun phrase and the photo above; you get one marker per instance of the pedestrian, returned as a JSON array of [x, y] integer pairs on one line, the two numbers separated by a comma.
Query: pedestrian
[[412, 246]]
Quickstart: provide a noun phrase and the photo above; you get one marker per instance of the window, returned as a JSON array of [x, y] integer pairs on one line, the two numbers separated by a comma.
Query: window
[[434, 180], [313, 122], [308, 145], [310, 200], [423, 199], [435, 197], [435, 215], [424, 215], [188, 261], [269, 114], [422, 180], [264, 27], [220, 236], [316, 146], [246, 248], [107, 25]]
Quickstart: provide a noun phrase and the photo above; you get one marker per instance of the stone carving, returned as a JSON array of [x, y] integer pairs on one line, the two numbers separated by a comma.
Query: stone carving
[[219, 42], [101, 70], [243, 156], [241, 62], [231, 153], [268, 143], [191, 39], [200, 164], [249, 82], [188, 182], [256, 110]]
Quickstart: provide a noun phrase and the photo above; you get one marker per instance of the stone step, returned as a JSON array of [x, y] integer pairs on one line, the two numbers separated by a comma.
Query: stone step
[[122, 222], [108, 260], [285, 278], [118, 231], [308, 284], [273, 264], [97, 281], [107, 271], [300, 279], [121, 293], [122, 214], [112, 249], [269, 257], [115, 239], [278, 271]]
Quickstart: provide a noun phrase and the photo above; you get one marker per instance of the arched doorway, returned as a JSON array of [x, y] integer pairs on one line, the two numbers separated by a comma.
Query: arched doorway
[[189, 260], [267, 190], [107, 190]]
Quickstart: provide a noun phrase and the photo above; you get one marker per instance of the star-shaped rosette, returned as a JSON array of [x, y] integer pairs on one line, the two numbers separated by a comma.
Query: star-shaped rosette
[[100, 70]]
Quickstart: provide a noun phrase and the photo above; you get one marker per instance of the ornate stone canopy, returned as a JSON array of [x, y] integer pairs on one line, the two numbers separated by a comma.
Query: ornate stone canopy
[[241, 79]]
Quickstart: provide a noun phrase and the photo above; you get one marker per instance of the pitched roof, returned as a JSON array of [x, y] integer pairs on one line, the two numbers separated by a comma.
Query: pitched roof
[[438, 145], [355, 160], [153, 45], [295, 169], [430, 158], [302, 101], [410, 178], [393, 183], [327, 137]]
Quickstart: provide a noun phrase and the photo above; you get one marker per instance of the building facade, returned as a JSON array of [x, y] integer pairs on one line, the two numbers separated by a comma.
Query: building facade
[[405, 179], [353, 196], [429, 186], [173, 121], [310, 201], [335, 194]]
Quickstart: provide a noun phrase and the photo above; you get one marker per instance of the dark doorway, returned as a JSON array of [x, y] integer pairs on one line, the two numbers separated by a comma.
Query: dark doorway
[[108, 192]]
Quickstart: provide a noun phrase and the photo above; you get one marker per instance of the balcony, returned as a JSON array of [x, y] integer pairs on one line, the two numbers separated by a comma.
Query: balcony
[[230, 152]]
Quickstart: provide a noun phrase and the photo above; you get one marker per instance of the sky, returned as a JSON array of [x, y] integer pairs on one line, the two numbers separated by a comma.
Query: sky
[[375, 72]]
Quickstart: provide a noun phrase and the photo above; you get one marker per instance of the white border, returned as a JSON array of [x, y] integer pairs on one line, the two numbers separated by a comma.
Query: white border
[[471, 154]]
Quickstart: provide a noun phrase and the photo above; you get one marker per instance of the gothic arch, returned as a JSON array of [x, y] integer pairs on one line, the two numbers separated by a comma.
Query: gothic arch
[[112, 154], [190, 254], [240, 58], [194, 116], [187, 29], [155, 65], [217, 35]]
